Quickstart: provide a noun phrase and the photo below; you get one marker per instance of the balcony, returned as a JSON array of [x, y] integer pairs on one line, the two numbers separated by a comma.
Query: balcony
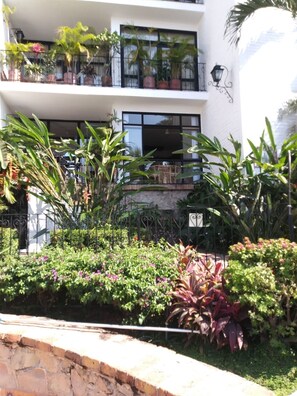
[[97, 73], [161, 172]]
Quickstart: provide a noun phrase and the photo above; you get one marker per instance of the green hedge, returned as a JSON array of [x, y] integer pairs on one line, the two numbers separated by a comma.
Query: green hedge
[[9, 242], [134, 279], [99, 238], [263, 277]]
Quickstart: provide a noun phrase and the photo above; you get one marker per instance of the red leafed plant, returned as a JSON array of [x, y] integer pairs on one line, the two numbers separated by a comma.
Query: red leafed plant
[[200, 303]]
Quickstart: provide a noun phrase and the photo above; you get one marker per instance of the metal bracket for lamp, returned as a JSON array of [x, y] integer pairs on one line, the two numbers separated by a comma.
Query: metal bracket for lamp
[[217, 74]]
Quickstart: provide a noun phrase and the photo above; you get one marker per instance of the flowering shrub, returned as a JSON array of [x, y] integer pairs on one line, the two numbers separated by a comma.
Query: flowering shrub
[[263, 277], [200, 303], [135, 279]]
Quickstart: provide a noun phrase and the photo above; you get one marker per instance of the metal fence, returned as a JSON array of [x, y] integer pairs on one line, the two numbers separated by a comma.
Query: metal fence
[[199, 228]]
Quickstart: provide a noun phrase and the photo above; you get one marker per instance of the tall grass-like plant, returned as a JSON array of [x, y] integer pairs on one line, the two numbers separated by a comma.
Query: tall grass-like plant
[[252, 189]]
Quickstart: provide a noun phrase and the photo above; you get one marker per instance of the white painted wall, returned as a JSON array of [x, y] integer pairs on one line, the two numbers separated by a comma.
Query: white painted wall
[[219, 118], [268, 70]]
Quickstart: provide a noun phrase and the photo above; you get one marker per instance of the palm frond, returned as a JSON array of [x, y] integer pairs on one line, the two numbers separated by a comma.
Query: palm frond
[[241, 12]]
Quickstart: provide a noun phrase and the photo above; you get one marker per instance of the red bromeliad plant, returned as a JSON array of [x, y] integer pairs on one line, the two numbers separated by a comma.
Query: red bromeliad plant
[[200, 303]]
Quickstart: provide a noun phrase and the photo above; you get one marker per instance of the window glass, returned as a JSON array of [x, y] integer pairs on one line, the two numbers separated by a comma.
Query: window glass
[[131, 118], [160, 119], [133, 139], [190, 120]]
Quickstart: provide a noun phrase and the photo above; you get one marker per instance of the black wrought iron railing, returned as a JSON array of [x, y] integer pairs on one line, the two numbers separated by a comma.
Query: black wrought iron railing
[[158, 171], [193, 226], [118, 72]]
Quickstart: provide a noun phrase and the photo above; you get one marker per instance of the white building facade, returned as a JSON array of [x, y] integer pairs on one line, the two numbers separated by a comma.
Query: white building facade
[[262, 72]]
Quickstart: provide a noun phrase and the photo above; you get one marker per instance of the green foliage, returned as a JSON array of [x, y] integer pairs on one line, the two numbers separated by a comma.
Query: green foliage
[[8, 242], [252, 190], [135, 279], [98, 238], [73, 41], [15, 53], [97, 187], [263, 277], [201, 304]]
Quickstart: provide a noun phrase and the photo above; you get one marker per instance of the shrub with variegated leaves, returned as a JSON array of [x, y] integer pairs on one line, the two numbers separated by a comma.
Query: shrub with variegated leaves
[[200, 303]]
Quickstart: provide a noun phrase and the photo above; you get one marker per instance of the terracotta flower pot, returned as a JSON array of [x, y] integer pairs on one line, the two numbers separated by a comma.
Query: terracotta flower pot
[[50, 78], [175, 84], [69, 78], [106, 81], [163, 85], [149, 82]]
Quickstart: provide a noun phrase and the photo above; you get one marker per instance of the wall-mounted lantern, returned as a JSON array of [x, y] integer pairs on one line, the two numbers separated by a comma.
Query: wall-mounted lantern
[[217, 74]]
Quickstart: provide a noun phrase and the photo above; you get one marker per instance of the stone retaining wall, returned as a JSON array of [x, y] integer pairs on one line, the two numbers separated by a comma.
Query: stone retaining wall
[[44, 357]]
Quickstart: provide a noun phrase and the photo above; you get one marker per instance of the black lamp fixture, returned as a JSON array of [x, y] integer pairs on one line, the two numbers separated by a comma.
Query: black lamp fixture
[[18, 34], [217, 74]]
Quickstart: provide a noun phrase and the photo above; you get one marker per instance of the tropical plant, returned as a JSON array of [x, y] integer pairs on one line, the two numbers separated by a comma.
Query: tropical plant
[[7, 12], [88, 70], [72, 41], [49, 62], [181, 53], [33, 70], [143, 54], [96, 188], [253, 190], [262, 276], [242, 11], [15, 53], [201, 304]]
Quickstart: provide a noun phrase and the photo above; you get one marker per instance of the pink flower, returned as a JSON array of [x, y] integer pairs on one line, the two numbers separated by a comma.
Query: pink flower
[[37, 48]]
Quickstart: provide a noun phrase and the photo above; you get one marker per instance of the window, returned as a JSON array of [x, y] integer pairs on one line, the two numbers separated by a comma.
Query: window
[[162, 134], [165, 55]]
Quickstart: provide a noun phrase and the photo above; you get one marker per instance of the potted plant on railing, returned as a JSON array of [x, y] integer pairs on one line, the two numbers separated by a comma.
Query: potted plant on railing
[[181, 54], [14, 58], [143, 55], [33, 72], [72, 42], [49, 64], [107, 46], [163, 75], [89, 73]]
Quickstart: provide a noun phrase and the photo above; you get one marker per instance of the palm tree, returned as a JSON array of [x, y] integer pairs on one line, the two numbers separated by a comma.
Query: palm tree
[[242, 11]]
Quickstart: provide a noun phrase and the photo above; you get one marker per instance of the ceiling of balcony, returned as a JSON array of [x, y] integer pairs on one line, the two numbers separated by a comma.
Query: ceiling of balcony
[[39, 19], [68, 102]]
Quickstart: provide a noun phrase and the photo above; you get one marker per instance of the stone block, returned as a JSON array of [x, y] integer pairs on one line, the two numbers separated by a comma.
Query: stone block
[[124, 390], [90, 363], [24, 358], [33, 380], [78, 383], [75, 357], [7, 377], [48, 361], [59, 382], [5, 352]]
